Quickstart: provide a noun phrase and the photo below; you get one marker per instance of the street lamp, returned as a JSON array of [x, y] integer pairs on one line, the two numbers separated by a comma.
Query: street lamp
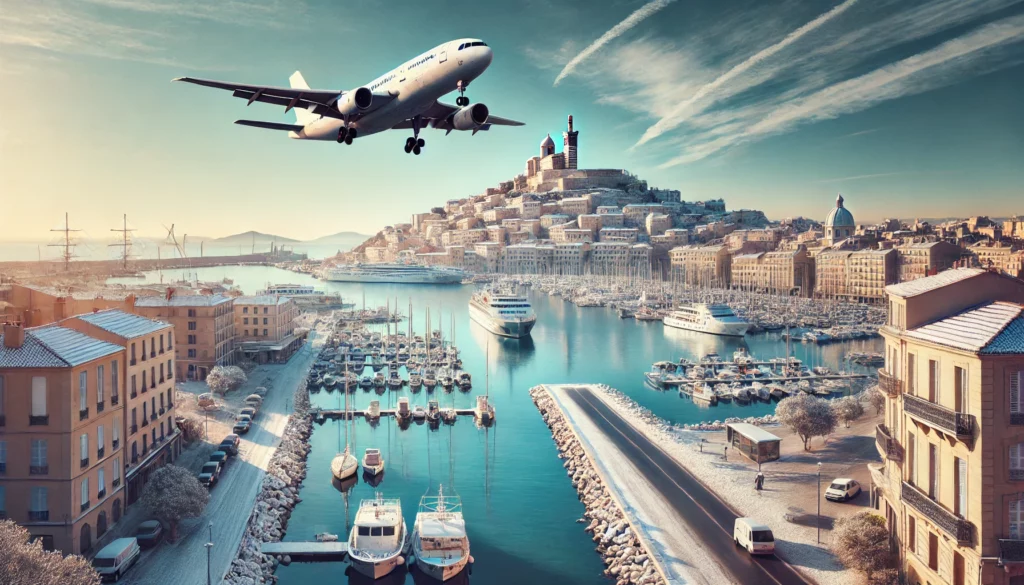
[[818, 522], [209, 547]]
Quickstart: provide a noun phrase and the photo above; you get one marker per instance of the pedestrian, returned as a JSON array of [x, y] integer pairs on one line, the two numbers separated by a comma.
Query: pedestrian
[[759, 481]]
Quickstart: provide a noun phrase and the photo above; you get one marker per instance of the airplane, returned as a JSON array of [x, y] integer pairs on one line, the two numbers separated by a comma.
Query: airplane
[[405, 98]]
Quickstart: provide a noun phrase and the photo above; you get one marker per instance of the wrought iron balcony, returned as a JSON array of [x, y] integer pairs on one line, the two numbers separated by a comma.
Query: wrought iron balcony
[[135, 428], [39, 515], [939, 417], [1017, 418], [890, 385], [100, 406], [100, 494], [85, 462], [114, 399], [100, 452], [39, 420], [83, 414], [1016, 474], [1011, 550], [115, 443], [85, 506], [115, 483], [955, 526], [153, 416], [3, 420], [888, 447], [38, 469]]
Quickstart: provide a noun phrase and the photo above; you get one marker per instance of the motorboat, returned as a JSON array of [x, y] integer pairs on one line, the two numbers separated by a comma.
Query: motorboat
[[415, 380], [439, 542], [379, 539], [373, 411], [433, 411], [418, 412], [366, 382], [503, 313], [373, 463], [703, 393], [449, 415], [395, 381], [446, 379], [430, 378], [465, 381], [403, 412], [379, 381], [484, 410]]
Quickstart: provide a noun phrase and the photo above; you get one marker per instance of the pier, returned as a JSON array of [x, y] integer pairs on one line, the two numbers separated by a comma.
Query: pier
[[335, 414], [310, 550]]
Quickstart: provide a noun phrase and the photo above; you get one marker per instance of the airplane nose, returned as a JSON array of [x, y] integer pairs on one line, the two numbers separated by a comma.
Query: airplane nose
[[487, 57]]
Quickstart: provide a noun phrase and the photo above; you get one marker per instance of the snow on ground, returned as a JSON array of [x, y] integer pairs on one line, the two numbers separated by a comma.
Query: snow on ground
[[733, 483]]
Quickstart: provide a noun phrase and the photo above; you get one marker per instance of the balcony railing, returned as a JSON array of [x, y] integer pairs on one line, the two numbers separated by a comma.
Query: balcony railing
[[85, 506], [134, 394], [85, 462], [114, 399], [39, 420], [100, 494], [161, 410], [1011, 550], [115, 483], [100, 452], [38, 469], [145, 421], [39, 515], [153, 416], [3, 467], [135, 429], [3, 420], [132, 362], [958, 528], [83, 414], [100, 406], [939, 417], [1016, 474], [1017, 418], [887, 446], [890, 385], [115, 443]]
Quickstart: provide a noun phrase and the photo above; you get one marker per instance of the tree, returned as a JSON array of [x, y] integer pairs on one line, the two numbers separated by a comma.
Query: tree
[[223, 379], [26, 563], [876, 399], [807, 416], [848, 409], [191, 429], [174, 494], [861, 542]]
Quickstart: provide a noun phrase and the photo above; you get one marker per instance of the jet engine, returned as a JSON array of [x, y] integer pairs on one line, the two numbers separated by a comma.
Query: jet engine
[[355, 101], [470, 117]]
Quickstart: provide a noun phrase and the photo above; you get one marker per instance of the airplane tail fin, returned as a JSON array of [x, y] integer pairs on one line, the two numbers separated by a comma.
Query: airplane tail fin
[[302, 115]]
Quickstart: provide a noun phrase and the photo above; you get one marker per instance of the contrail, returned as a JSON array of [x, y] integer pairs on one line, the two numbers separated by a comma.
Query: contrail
[[681, 112], [616, 31]]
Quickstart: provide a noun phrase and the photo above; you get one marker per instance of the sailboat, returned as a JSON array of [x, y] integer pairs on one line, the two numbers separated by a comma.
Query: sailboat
[[484, 411], [344, 464], [439, 540]]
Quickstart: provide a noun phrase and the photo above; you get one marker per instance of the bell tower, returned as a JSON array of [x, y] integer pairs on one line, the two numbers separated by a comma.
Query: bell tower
[[569, 145]]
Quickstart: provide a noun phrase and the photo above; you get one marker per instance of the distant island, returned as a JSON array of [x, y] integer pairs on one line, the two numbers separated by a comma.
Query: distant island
[[340, 240], [250, 236]]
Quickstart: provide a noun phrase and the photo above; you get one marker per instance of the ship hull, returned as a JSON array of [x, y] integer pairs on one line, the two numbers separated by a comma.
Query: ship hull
[[713, 327], [512, 329], [395, 278]]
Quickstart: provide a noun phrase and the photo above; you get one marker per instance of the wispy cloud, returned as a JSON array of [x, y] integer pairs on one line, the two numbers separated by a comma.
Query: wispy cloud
[[716, 89], [616, 31], [860, 177], [861, 133], [267, 13]]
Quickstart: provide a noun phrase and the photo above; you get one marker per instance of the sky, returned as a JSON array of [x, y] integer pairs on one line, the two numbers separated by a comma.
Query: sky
[[910, 108]]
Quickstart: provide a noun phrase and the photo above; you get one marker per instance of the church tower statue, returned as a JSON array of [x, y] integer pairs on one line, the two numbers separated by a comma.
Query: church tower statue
[[569, 145]]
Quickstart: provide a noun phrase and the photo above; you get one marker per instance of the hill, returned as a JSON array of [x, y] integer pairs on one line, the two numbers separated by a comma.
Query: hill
[[345, 238], [249, 236]]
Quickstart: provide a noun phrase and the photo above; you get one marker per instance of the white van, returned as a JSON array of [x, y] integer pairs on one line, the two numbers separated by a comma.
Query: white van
[[753, 536], [116, 558]]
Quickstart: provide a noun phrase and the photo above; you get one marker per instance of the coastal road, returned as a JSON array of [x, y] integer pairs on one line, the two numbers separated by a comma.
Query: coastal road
[[232, 499], [707, 515]]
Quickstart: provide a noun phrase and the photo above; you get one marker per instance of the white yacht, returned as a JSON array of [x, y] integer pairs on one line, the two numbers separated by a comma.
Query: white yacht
[[379, 537], [395, 273], [503, 313], [705, 318], [439, 541]]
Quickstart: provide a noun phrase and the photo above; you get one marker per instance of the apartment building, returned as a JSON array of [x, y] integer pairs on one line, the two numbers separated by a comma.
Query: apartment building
[[952, 441], [927, 258], [265, 328], [204, 328], [1001, 257], [63, 407], [855, 276], [708, 266], [151, 438]]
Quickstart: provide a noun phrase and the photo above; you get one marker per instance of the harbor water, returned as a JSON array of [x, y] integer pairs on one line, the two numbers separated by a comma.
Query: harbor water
[[519, 506]]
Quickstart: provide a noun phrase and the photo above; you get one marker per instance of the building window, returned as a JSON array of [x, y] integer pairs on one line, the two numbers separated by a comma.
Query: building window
[[83, 449], [101, 482], [264, 310], [3, 502], [100, 443], [85, 492], [1017, 519], [960, 388], [100, 370], [934, 392], [245, 311], [170, 371], [245, 321], [114, 379], [2, 415], [191, 353], [911, 373], [912, 458], [117, 472], [191, 339], [246, 333], [264, 320], [40, 507], [144, 385], [191, 312], [933, 471], [83, 391], [143, 350], [960, 487], [264, 333], [39, 465], [3, 456], [170, 340], [1016, 405], [115, 440], [933, 551], [191, 325]]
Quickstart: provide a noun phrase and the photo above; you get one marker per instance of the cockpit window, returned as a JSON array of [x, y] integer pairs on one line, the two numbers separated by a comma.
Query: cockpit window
[[473, 44]]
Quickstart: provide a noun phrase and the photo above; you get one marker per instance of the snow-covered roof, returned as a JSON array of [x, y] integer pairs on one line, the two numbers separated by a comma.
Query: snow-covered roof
[[930, 283], [54, 347], [123, 324], [262, 300], [182, 301], [753, 432], [994, 328]]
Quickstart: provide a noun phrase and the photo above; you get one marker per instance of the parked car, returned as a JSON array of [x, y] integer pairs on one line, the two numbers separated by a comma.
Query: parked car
[[248, 411], [753, 536], [209, 474], [242, 425], [149, 533], [219, 457], [116, 558], [254, 398], [230, 444], [842, 489]]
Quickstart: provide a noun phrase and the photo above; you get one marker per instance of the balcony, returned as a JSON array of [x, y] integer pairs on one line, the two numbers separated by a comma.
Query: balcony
[[888, 447], [114, 399], [135, 459], [99, 407], [100, 494], [100, 452], [85, 463], [3, 467], [162, 410], [1016, 474], [145, 421], [1011, 550], [3, 420], [38, 469], [939, 417], [114, 444], [85, 506], [134, 394], [1017, 418], [39, 515], [115, 483], [134, 429], [888, 384], [153, 416], [958, 528], [83, 414], [132, 362], [161, 380]]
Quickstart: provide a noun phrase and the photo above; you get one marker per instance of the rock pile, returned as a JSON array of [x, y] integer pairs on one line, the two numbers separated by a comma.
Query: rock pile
[[628, 562], [649, 417], [278, 496]]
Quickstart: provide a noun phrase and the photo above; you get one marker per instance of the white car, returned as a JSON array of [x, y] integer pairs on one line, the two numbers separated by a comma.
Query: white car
[[842, 489]]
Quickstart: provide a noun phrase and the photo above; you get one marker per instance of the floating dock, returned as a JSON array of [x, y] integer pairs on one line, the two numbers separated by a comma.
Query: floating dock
[[307, 550], [335, 414]]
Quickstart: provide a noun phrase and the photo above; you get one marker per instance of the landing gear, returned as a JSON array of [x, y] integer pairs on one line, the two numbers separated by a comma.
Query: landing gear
[[462, 100], [414, 143], [346, 135]]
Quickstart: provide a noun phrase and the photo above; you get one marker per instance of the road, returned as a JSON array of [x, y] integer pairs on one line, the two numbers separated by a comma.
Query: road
[[706, 515], [232, 499]]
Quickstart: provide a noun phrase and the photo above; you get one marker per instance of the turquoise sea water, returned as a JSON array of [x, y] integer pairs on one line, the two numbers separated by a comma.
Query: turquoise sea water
[[519, 506]]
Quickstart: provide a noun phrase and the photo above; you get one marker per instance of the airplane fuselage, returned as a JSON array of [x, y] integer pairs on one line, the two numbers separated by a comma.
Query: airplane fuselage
[[418, 84]]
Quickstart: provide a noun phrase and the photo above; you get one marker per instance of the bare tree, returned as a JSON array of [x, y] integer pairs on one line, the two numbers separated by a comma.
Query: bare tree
[[848, 409], [861, 542], [174, 494], [191, 429], [808, 416], [223, 379], [876, 399], [26, 563]]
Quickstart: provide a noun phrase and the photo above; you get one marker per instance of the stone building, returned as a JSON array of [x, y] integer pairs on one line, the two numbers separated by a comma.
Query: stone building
[[551, 171], [705, 266], [924, 259], [855, 276], [952, 440], [204, 330], [265, 328], [657, 223], [463, 237], [1001, 257], [617, 234], [789, 272]]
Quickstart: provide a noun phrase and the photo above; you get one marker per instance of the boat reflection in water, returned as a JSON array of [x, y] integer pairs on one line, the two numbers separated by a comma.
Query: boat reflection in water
[[507, 350], [395, 577], [344, 486], [700, 344]]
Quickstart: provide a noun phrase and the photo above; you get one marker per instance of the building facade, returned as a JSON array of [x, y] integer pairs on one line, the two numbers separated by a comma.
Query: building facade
[[705, 266], [204, 327], [924, 259], [265, 328]]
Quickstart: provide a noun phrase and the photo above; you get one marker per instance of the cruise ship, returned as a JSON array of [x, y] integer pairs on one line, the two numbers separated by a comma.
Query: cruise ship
[[395, 273], [704, 318], [503, 313]]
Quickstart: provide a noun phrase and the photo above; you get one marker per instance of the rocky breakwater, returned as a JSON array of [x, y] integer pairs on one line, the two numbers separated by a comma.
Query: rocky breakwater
[[278, 496], [645, 415], [627, 559]]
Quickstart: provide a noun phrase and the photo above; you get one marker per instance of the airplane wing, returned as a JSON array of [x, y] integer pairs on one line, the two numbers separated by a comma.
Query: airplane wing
[[318, 101], [439, 113]]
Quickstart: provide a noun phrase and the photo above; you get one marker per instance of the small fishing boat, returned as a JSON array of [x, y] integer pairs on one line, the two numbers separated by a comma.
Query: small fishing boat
[[415, 380], [465, 381], [430, 378], [373, 463], [366, 382], [403, 412], [373, 411], [379, 538], [379, 381], [439, 542], [433, 411], [395, 381], [418, 412]]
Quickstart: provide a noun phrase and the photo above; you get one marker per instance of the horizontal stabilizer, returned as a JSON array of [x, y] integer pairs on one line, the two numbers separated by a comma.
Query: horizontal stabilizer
[[270, 125]]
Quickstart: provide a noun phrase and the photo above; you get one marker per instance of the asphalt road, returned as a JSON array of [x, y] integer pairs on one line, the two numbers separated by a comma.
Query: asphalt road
[[707, 515], [232, 499]]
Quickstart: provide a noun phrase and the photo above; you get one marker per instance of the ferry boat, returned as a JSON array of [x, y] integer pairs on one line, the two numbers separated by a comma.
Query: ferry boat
[[291, 290], [379, 537], [395, 273], [705, 318], [503, 313], [439, 542]]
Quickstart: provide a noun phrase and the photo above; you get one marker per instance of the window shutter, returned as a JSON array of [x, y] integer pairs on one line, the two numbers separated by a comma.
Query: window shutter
[[1015, 393], [38, 396], [962, 487]]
